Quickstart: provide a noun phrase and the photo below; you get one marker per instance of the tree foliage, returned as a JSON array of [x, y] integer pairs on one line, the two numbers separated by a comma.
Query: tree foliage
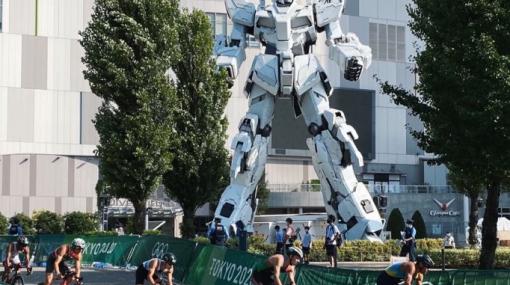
[[26, 223], [395, 223], [262, 196], [462, 97], [129, 46], [200, 167], [419, 225], [3, 224], [46, 222], [80, 223]]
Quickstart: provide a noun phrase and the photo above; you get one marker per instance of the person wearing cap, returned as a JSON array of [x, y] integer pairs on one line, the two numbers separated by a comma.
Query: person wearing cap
[[409, 241], [217, 233], [56, 261], [268, 271], [12, 254], [406, 271], [151, 269]]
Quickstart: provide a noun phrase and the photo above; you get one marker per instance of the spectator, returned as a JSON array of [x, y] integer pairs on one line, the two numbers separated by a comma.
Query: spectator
[[15, 228], [449, 241], [279, 240], [290, 234], [217, 233], [307, 244], [332, 234], [409, 241]]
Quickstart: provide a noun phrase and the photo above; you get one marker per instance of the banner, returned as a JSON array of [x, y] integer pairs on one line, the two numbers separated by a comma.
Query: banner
[[112, 250], [148, 247], [220, 266]]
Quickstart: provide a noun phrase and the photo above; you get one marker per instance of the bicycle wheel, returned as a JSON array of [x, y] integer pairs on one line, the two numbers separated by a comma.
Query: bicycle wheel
[[18, 280]]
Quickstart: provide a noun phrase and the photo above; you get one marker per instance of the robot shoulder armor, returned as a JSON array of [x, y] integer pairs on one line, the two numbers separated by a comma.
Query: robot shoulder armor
[[327, 11], [241, 12]]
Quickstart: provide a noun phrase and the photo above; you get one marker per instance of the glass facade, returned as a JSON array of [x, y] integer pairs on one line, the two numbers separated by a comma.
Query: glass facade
[[220, 24], [1, 8]]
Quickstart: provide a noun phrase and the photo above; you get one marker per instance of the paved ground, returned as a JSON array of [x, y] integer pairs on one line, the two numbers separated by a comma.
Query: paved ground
[[123, 277]]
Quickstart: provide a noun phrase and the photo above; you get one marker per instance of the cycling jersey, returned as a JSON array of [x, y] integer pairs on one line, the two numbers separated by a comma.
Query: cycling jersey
[[263, 272]]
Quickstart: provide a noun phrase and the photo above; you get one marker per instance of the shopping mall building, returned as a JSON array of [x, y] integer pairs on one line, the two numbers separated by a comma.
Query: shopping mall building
[[47, 138]]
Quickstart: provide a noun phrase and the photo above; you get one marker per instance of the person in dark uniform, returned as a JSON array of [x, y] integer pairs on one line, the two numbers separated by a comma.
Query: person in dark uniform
[[217, 233], [406, 271], [268, 271], [409, 241]]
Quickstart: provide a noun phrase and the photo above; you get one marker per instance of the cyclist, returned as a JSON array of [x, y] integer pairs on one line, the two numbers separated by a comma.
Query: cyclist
[[56, 260], [268, 271], [12, 254], [151, 268], [406, 271]]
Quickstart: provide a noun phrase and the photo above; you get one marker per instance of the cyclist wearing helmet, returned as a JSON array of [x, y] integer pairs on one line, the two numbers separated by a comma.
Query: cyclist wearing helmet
[[406, 271], [13, 250], [56, 260], [268, 271], [151, 268]]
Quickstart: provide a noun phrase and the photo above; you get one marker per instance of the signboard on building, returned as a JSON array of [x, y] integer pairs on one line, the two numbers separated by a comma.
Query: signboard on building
[[444, 210]]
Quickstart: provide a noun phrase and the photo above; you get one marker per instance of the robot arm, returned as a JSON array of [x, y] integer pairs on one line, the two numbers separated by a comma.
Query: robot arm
[[230, 53], [345, 49]]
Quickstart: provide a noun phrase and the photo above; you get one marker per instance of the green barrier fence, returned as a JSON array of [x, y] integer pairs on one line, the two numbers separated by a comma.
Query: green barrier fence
[[220, 266], [155, 246], [212, 265]]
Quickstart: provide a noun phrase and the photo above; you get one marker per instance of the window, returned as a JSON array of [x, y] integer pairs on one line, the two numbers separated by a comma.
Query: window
[[1, 14], [220, 24], [387, 42]]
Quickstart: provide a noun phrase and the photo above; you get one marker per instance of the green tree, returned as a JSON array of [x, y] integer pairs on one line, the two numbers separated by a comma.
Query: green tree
[[129, 46], [3, 224], [395, 223], [200, 167], [80, 223], [262, 195], [419, 225], [46, 222], [26, 223], [462, 97]]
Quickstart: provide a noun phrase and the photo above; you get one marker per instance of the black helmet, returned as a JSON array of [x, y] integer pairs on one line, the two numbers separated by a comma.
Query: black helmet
[[425, 260], [22, 240], [331, 219], [295, 251], [169, 258]]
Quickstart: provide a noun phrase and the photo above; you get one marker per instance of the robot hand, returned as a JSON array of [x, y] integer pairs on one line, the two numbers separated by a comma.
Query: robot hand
[[351, 56], [226, 57]]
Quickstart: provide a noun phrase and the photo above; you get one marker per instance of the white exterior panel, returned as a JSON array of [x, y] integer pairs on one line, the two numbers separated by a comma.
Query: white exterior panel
[[10, 60]]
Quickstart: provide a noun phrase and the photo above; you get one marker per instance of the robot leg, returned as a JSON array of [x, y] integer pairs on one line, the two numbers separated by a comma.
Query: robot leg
[[238, 202], [333, 151]]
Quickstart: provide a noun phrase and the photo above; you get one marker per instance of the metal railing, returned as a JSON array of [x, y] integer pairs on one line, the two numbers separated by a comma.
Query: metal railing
[[375, 189]]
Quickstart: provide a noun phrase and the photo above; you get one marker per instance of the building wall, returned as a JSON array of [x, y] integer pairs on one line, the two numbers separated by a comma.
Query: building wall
[[47, 137]]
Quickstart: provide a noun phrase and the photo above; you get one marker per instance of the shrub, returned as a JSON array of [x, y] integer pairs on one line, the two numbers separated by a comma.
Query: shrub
[[395, 223], [46, 222], [419, 225], [201, 240], [102, 233], [26, 223], [151, 232], [3, 224], [80, 223]]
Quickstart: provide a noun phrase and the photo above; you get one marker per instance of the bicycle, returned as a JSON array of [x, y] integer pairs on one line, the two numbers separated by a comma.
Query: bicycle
[[14, 277], [69, 278]]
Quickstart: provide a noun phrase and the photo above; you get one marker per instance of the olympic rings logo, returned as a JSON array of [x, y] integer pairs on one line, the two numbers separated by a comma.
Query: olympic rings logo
[[159, 249]]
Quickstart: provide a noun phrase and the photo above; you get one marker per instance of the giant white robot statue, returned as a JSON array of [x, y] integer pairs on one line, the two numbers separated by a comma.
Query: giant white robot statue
[[287, 68]]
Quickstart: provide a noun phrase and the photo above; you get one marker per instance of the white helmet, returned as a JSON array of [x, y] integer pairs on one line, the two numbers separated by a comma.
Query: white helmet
[[78, 243], [295, 251]]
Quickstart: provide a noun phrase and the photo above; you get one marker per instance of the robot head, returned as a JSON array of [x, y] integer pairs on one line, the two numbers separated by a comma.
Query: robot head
[[284, 2]]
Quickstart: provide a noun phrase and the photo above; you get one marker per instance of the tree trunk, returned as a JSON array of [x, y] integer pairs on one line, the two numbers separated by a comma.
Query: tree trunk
[[473, 220], [489, 227], [139, 217], [187, 226]]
